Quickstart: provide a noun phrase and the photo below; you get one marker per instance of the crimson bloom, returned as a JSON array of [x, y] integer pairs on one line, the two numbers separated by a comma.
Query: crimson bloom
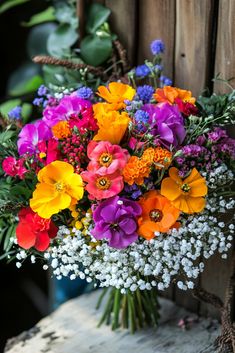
[[14, 167], [34, 231]]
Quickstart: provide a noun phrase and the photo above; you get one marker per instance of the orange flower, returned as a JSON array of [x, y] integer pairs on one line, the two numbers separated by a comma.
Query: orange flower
[[112, 124], [169, 94], [158, 215], [161, 157], [186, 195], [136, 170], [61, 130], [116, 94]]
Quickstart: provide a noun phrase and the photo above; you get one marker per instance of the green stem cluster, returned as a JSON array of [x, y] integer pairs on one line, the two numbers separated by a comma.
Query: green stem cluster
[[132, 310]]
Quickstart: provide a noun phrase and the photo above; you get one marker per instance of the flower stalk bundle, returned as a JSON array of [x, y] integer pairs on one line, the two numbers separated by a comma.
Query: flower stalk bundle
[[127, 187]]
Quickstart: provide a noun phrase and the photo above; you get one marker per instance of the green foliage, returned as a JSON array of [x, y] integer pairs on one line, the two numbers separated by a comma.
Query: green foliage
[[11, 3], [97, 15], [47, 15], [38, 38], [212, 105], [9, 105], [63, 37], [95, 50]]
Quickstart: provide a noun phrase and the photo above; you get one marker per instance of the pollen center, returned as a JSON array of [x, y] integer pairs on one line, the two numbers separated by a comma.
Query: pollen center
[[155, 215], [60, 186], [185, 188], [103, 183], [105, 159]]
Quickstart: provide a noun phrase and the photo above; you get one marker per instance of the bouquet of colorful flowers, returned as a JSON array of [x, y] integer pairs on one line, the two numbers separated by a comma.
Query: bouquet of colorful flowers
[[127, 187]]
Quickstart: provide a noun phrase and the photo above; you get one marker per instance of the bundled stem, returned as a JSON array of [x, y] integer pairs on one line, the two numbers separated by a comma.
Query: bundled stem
[[226, 341]]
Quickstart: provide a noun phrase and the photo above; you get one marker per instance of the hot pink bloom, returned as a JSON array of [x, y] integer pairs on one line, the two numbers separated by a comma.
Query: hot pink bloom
[[14, 167], [106, 158], [48, 151], [102, 186]]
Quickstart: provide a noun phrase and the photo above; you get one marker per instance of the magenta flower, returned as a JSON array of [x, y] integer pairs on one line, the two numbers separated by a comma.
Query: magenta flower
[[31, 135], [166, 123], [77, 111], [106, 158], [115, 220], [13, 167]]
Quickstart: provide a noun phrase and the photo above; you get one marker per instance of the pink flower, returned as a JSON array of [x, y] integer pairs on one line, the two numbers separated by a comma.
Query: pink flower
[[102, 186], [48, 151], [14, 167], [135, 144], [106, 158]]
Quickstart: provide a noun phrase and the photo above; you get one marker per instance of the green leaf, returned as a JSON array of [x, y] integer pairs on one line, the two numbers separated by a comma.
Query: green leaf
[[60, 39], [11, 3], [66, 13], [8, 106], [38, 37], [44, 16], [97, 15], [24, 80], [95, 50], [26, 112]]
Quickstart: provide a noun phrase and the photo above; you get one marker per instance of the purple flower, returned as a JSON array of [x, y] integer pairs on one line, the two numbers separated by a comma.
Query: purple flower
[[31, 135], [15, 113], [69, 107], [84, 92], [38, 101], [145, 93], [217, 134], [42, 91], [142, 71], [166, 123], [115, 220], [141, 118], [158, 67], [165, 81], [157, 47]]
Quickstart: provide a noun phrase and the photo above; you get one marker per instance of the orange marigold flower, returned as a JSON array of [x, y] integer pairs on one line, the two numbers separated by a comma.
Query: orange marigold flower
[[116, 93], [136, 170], [61, 130], [158, 215], [185, 194], [169, 94], [161, 157]]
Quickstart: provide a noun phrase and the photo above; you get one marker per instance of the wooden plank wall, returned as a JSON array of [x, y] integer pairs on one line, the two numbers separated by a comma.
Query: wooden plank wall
[[199, 39]]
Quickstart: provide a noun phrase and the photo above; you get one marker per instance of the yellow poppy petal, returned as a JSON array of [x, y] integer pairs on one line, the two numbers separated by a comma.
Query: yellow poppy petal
[[174, 174], [198, 189], [170, 189], [196, 204]]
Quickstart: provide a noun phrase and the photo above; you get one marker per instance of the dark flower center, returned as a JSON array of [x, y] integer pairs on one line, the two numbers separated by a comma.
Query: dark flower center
[[105, 159], [185, 188], [155, 215], [103, 183]]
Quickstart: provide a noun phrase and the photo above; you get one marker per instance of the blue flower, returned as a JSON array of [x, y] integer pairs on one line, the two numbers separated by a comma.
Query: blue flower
[[142, 71], [38, 101], [158, 67], [15, 113], [157, 47], [145, 93], [85, 92], [141, 118], [42, 91], [165, 81]]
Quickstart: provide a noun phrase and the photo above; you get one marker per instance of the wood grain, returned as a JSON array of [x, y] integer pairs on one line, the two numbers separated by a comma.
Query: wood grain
[[193, 44], [123, 22], [157, 21], [225, 47]]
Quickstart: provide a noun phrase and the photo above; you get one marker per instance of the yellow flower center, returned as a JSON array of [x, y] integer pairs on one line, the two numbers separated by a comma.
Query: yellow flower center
[[155, 215], [105, 159], [42, 155], [185, 188], [103, 183], [60, 186]]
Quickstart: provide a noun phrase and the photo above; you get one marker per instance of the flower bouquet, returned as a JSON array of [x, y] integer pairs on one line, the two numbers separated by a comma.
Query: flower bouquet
[[127, 187]]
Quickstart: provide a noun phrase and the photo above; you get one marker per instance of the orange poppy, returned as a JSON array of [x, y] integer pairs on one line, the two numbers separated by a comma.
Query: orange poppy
[[158, 215], [185, 194], [169, 94], [116, 93]]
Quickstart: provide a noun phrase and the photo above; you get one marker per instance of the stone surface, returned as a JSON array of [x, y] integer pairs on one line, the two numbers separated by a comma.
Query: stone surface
[[72, 329]]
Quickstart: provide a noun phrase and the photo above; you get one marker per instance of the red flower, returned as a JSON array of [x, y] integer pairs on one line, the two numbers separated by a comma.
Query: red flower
[[186, 108], [33, 230]]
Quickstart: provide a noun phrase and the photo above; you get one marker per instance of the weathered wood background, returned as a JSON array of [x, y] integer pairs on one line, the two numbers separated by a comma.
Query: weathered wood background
[[199, 37]]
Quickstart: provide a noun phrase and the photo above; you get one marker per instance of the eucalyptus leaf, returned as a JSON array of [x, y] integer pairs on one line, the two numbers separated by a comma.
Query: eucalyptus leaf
[[60, 39], [47, 15], [95, 50], [97, 15], [11, 3], [8, 106], [38, 37]]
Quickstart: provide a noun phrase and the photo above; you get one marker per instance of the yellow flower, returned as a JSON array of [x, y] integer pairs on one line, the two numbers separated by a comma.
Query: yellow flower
[[112, 124], [58, 188], [187, 195], [116, 94]]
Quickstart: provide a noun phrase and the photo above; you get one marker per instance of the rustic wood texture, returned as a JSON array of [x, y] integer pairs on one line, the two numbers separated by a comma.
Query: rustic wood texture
[[157, 21], [123, 22], [193, 43], [225, 48]]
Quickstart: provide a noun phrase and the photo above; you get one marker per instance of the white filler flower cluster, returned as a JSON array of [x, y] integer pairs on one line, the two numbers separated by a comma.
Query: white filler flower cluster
[[146, 264]]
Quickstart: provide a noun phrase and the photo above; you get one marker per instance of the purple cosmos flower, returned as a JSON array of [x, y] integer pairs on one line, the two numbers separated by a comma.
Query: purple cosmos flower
[[68, 107], [166, 123], [115, 220], [31, 135]]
